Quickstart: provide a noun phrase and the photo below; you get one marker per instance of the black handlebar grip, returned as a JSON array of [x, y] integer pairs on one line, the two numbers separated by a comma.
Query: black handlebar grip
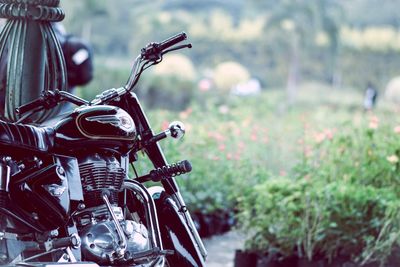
[[185, 166], [29, 106], [172, 41]]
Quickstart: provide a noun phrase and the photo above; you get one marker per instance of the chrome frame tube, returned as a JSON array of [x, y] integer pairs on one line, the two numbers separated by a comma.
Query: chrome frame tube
[[4, 177], [152, 221], [123, 243]]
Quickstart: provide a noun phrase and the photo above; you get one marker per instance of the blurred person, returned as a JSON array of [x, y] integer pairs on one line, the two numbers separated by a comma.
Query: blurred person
[[370, 97]]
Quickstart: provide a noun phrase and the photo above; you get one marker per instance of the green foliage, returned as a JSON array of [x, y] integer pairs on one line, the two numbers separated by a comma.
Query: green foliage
[[301, 185], [366, 156], [320, 220], [105, 77], [225, 155], [342, 199]]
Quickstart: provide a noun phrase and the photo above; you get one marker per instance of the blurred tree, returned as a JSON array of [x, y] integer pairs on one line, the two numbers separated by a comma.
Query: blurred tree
[[277, 41], [331, 17], [301, 20], [364, 13]]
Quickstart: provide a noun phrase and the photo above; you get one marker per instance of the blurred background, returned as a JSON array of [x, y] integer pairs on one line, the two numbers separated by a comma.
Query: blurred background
[[299, 91]]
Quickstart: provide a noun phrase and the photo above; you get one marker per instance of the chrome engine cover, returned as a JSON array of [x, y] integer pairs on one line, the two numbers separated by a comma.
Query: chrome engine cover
[[100, 241]]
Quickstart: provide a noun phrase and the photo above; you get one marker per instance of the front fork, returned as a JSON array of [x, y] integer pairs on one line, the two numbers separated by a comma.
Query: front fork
[[177, 197], [158, 159]]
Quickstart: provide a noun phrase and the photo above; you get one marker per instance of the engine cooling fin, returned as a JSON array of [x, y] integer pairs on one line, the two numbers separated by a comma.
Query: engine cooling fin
[[99, 174]]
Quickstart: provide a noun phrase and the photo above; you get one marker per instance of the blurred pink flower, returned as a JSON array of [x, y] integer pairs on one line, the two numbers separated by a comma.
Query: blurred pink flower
[[254, 137], [373, 122], [164, 125], [246, 122], [223, 109], [374, 119], [308, 151], [237, 131], [204, 85], [221, 147], [319, 137], [373, 125], [216, 136], [256, 128], [397, 129], [393, 159], [228, 156], [241, 145], [185, 114], [188, 127], [237, 156], [282, 173], [328, 134], [216, 158]]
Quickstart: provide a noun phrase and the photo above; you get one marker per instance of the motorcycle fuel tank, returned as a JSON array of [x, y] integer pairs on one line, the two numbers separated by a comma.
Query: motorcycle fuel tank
[[96, 125]]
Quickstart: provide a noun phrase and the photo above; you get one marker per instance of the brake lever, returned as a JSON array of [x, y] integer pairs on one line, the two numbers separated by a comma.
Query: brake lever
[[177, 48]]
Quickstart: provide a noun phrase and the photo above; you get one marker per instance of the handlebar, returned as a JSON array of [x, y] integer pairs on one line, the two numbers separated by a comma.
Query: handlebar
[[154, 51], [172, 41], [50, 99], [30, 106], [150, 55]]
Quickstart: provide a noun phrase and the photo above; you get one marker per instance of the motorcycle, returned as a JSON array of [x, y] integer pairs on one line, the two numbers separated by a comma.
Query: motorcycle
[[66, 197]]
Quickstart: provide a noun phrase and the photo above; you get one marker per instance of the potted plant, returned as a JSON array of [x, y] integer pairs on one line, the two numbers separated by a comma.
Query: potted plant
[[320, 224]]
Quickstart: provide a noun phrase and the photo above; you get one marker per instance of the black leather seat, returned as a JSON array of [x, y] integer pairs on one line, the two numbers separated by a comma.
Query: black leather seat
[[23, 136]]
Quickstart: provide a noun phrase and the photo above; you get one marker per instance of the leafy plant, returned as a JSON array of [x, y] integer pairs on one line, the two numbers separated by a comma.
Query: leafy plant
[[342, 201], [320, 221]]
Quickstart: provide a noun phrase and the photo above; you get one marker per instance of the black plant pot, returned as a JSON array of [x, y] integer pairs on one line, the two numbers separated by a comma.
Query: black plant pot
[[251, 259], [245, 259], [214, 224], [271, 260], [315, 263]]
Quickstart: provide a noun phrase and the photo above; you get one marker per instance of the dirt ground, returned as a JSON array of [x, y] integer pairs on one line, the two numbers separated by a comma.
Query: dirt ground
[[221, 249]]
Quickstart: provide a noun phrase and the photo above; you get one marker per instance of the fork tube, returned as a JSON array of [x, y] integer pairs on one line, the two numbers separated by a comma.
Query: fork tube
[[158, 159]]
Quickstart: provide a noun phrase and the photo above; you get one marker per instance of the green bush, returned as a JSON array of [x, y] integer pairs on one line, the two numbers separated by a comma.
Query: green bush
[[342, 199], [166, 92], [222, 151], [320, 221], [105, 77]]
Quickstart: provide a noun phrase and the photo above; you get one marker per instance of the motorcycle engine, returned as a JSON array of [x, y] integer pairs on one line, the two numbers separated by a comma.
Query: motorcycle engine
[[99, 236], [100, 242], [99, 172]]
